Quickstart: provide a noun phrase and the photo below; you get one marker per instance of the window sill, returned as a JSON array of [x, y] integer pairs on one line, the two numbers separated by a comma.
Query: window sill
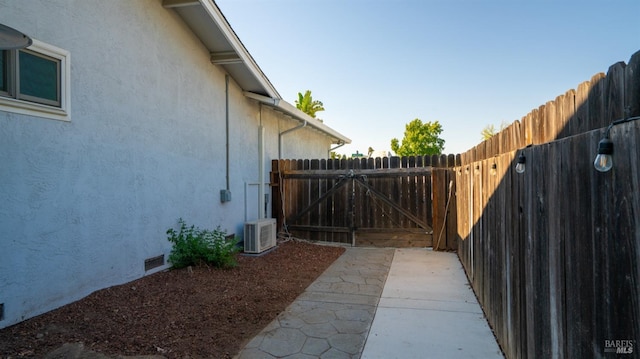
[[33, 109]]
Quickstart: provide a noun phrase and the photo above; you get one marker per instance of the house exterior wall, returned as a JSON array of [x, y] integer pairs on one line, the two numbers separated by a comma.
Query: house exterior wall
[[297, 144], [84, 202]]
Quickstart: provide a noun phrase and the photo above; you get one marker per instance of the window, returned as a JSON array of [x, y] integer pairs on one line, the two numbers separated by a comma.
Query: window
[[35, 81], [3, 71]]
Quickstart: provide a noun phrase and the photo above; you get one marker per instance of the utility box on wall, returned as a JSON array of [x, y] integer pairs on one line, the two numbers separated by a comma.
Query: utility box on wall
[[225, 195]]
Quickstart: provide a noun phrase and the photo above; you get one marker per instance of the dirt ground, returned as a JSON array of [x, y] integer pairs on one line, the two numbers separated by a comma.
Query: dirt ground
[[192, 313]]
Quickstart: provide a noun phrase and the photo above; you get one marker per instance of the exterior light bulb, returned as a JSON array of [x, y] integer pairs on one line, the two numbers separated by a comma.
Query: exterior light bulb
[[494, 169], [604, 160], [521, 165]]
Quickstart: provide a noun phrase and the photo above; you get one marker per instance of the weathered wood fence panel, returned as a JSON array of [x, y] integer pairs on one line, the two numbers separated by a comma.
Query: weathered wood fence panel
[[553, 254], [382, 201], [444, 202]]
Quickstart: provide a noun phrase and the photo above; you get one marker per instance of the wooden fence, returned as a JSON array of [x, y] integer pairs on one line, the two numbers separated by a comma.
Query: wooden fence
[[553, 253], [383, 201]]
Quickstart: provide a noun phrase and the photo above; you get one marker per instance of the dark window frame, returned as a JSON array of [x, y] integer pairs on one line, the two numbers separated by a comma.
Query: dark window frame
[[60, 109], [12, 76]]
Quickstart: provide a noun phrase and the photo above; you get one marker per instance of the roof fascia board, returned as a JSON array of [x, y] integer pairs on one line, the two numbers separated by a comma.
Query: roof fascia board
[[294, 112], [216, 15], [290, 110], [179, 3], [225, 58], [264, 99]]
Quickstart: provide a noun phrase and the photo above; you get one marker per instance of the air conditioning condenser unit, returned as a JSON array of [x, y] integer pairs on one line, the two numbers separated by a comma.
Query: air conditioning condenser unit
[[259, 235]]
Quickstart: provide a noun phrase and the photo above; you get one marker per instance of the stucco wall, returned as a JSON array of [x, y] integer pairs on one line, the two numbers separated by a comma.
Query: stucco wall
[[83, 203], [301, 143]]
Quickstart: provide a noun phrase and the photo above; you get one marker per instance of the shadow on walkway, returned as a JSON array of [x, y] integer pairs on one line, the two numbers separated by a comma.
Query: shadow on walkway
[[371, 303]]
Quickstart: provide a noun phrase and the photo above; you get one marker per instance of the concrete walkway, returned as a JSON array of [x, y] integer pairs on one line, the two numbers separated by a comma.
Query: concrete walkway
[[427, 310], [371, 303]]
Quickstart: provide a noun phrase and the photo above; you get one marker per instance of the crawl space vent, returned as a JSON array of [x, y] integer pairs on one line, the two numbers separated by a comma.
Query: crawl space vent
[[153, 262]]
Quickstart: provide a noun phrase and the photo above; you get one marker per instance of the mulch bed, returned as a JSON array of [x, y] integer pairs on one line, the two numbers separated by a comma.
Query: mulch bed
[[197, 312]]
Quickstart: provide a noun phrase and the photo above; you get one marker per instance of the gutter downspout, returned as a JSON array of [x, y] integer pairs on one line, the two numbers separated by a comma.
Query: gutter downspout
[[290, 111], [304, 124], [261, 197], [340, 144], [226, 115]]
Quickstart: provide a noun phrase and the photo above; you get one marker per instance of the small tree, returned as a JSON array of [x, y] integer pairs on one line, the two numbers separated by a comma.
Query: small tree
[[336, 156], [488, 131], [308, 105], [419, 139]]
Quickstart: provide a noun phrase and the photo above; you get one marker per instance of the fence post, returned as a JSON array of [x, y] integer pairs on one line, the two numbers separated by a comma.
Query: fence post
[[276, 199], [443, 187], [450, 206]]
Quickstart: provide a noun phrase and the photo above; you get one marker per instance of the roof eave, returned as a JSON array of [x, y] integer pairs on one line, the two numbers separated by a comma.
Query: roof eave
[[292, 111], [226, 50]]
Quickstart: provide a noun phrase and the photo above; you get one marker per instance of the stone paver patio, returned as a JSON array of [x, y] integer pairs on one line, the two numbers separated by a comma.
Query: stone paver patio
[[332, 318], [380, 303]]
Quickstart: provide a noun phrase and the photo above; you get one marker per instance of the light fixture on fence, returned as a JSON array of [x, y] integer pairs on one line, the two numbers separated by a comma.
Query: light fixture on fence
[[604, 159], [494, 169], [521, 164]]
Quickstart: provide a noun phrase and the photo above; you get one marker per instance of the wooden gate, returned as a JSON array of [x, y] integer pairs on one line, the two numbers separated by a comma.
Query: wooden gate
[[381, 202]]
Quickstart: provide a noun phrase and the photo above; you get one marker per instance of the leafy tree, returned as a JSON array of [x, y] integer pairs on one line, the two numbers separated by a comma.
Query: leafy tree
[[419, 139], [488, 131], [370, 151], [308, 105], [336, 156]]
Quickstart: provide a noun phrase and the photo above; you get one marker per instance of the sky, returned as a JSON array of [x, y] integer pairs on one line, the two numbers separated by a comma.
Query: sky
[[377, 65]]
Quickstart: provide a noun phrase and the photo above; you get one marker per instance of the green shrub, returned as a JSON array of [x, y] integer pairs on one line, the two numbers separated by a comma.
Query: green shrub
[[195, 246]]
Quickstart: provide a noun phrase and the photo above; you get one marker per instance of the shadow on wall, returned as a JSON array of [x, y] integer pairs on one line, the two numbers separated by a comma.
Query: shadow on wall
[[553, 253]]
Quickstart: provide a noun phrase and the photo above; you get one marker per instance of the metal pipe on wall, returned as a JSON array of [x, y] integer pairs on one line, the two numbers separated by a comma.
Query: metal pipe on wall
[[335, 148], [304, 124], [226, 89], [261, 215]]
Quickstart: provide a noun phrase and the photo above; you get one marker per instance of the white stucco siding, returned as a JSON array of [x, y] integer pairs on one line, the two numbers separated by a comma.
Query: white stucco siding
[[302, 143], [305, 143], [83, 203]]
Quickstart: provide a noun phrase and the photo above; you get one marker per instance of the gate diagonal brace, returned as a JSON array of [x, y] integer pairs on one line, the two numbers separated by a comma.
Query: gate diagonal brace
[[335, 187], [384, 198]]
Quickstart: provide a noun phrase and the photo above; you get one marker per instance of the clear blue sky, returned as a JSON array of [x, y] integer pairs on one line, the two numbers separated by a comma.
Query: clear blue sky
[[376, 65]]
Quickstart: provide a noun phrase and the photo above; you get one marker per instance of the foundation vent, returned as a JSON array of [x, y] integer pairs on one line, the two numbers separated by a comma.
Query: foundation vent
[[153, 262]]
